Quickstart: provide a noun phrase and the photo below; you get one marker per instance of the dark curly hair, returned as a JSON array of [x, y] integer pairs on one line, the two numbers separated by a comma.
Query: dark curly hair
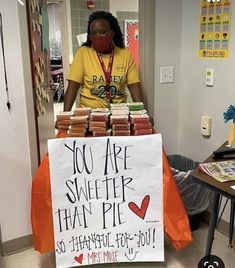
[[115, 27]]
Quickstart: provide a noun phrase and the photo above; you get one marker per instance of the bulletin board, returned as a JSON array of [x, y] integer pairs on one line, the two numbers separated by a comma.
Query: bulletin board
[[132, 38], [39, 49], [215, 26]]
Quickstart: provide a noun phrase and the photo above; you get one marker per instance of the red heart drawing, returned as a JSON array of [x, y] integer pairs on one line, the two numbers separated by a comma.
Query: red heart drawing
[[142, 210], [79, 258]]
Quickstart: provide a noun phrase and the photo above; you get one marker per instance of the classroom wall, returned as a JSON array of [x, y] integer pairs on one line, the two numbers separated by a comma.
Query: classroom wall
[[18, 154], [196, 99], [180, 105], [168, 53]]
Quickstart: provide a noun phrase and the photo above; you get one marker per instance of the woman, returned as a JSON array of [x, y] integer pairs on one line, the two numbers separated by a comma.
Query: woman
[[102, 67]]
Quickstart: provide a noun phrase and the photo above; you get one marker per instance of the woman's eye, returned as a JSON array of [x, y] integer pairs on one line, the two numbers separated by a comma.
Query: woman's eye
[[98, 33]]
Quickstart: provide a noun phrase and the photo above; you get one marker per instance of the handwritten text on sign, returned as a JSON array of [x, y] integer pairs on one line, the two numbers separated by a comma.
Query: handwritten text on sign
[[107, 199]]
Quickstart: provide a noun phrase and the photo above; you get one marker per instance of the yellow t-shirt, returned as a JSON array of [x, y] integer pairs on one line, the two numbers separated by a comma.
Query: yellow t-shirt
[[86, 70]]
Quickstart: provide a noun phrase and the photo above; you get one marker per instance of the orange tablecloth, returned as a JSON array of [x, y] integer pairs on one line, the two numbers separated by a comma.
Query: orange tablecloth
[[176, 224]]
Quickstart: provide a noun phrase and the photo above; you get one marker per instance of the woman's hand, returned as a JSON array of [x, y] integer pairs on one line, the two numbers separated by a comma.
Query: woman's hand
[[135, 91]]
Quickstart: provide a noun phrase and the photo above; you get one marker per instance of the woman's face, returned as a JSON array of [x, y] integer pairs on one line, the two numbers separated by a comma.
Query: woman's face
[[100, 27], [101, 36]]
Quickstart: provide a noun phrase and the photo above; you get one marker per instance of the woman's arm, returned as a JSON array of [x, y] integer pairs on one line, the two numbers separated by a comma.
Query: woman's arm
[[71, 94], [135, 91]]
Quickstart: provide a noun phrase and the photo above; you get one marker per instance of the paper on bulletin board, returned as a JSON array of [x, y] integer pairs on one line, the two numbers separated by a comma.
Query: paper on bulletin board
[[107, 199], [215, 26], [132, 38]]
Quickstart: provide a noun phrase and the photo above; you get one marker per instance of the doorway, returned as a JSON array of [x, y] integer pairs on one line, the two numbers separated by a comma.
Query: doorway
[[70, 24], [54, 10], [59, 14]]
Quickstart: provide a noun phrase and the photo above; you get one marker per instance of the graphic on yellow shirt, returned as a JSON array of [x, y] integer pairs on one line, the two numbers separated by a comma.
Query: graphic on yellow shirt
[[101, 91], [215, 25]]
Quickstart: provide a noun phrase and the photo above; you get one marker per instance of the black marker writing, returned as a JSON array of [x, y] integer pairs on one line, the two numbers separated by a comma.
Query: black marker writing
[[80, 158], [60, 247], [145, 238], [111, 212], [123, 240], [92, 241], [108, 188], [115, 157], [72, 218]]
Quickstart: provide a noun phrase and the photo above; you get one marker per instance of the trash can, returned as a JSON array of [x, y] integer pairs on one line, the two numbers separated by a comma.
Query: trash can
[[196, 198]]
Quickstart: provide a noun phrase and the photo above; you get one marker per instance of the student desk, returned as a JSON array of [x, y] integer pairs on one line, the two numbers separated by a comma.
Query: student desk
[[219, 189]]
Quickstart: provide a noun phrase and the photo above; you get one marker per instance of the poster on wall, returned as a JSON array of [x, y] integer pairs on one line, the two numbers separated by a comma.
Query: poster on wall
[[39, 40], [215, 26], [132, 38], [107, 199]]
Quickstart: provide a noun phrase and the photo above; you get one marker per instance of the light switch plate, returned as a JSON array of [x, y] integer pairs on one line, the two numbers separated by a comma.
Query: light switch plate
[[167, 74]]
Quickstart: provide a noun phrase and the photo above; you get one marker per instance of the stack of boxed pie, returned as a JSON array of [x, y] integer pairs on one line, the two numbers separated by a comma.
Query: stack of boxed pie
[[82, 111], [135, 106], [119, 119], [78, 126], [99, 121], [126, 119], [79, 122], [140, 124], [63, 121]]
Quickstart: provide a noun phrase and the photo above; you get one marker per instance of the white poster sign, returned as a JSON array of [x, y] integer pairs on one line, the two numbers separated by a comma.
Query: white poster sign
[[107, 199]]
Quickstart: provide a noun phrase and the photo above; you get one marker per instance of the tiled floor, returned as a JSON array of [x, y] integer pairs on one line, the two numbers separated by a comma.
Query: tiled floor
[[187, 258]]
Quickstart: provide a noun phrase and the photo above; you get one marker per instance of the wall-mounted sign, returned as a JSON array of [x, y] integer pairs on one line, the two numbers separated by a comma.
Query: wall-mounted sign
[[215, 25]]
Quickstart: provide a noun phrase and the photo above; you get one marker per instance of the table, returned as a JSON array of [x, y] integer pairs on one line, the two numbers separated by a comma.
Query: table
[[219, 189]]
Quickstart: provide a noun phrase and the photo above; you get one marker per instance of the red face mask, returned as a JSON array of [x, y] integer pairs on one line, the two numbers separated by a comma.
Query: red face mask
[[101, 43]]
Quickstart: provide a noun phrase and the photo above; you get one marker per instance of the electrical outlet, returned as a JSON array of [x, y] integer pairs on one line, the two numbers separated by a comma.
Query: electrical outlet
[[206, 125]]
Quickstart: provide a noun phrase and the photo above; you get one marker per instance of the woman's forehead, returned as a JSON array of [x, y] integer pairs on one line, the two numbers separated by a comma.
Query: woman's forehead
[[100, 23]]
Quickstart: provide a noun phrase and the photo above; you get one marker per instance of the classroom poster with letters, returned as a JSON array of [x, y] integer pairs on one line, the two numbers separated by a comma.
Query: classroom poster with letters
[[215, 26], [107, 199]]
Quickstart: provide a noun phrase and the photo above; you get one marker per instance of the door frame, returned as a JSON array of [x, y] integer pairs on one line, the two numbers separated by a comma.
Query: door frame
[[147, 51]]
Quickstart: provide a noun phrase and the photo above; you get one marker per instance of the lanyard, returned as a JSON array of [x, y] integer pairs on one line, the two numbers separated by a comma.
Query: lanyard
[[107, 73]]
